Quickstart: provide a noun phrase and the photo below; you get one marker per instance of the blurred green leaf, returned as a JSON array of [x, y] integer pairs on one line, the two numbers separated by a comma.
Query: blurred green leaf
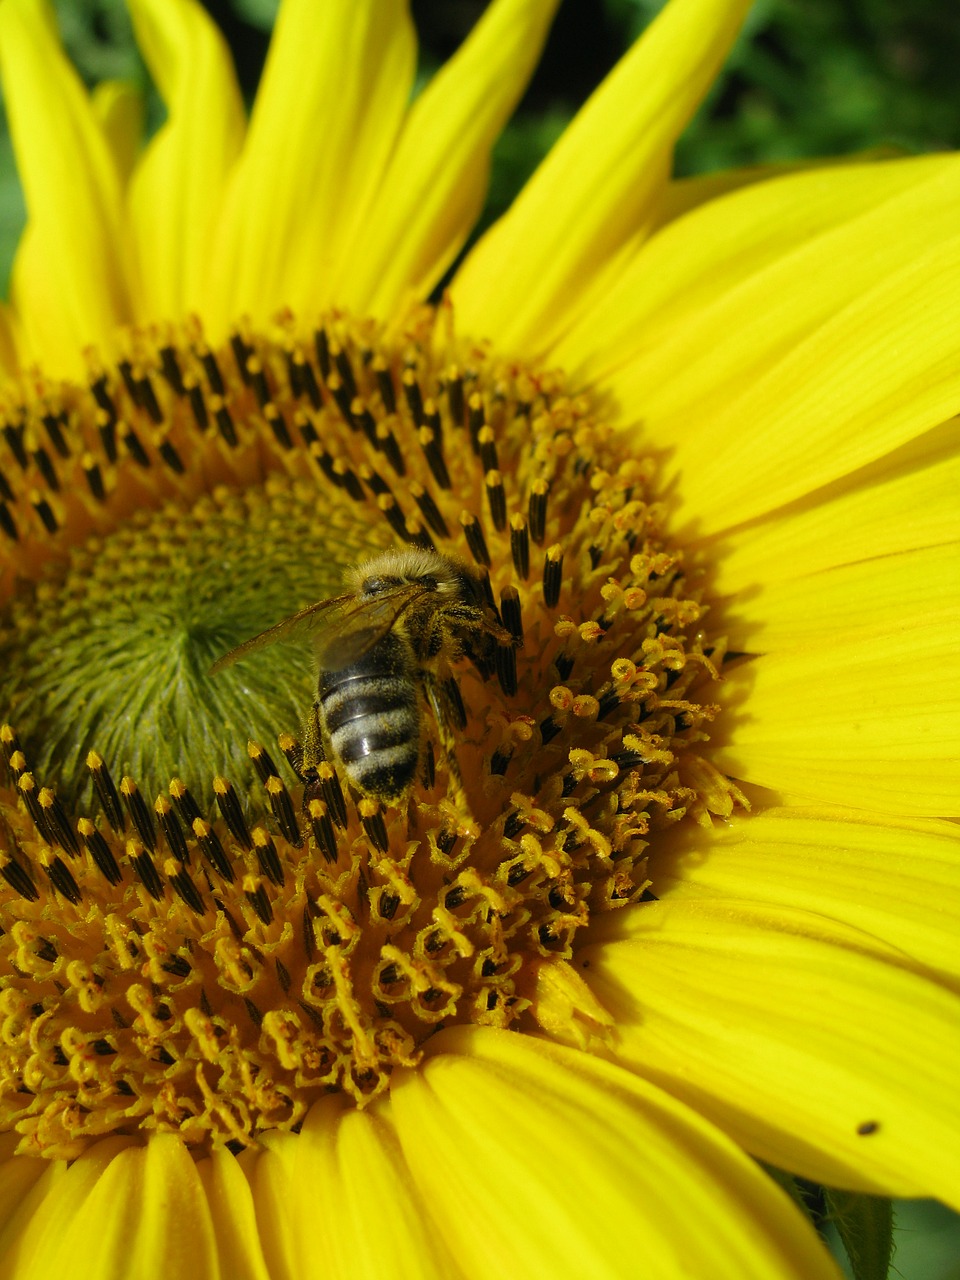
[[259, 13], [98, 35], [12, 213]]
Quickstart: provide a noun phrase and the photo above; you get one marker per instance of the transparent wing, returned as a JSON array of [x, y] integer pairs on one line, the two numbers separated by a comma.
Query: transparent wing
[[343, 628], [359, 625], [292, 628]]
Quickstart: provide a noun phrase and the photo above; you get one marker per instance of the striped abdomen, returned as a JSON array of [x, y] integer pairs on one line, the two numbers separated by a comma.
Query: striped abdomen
[[371, 715]]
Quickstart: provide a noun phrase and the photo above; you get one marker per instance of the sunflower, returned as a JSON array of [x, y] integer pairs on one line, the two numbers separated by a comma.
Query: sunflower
[[671, 898]]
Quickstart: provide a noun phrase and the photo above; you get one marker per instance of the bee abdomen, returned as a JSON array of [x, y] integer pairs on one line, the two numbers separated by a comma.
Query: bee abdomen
[[374, 728]]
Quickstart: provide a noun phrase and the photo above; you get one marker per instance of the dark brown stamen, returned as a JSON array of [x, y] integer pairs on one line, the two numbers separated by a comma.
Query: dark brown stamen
[[487, 443], [261, 905], [322, 348], [18, 878], [537, 510], [139, 813], [371, 819], [144, 869], [147, 399], [44, 511], [323, 832], [411, 389], [552, 576], [170, 826], [7, 523], [170, 367], [185, 889], [475, 539], [431, 512], [212, 369], [187, 807], [61, 877], [229, 806], [385, 385], [511, 614], [520, 546], [56, 823], [45, 466], [225, 425], [497, 498], [268, 858], [212, 849], [332, 794], [455, 401], [198, 406], [261, 761], [241, 354], [55, 426], [94, 477], [283, 810], [134, 446], [170, 456], [475, 420], [431, 445], [107, 792]]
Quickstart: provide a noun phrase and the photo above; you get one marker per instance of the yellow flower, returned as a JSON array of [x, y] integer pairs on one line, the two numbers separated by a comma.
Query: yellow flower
[[681, 888]]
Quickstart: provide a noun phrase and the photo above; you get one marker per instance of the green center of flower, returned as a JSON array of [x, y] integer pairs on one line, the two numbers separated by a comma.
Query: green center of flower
[[213, 966], [111, 648]]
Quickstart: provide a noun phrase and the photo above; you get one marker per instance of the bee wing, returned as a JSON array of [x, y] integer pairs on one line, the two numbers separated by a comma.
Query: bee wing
[[299, 624], [361, 623]]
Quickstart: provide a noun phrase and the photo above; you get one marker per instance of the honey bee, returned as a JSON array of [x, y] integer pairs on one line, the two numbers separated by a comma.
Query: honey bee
[[383, 652]]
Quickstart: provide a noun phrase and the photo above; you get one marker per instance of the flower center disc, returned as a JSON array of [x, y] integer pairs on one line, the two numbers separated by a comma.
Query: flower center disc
[[213, 942]]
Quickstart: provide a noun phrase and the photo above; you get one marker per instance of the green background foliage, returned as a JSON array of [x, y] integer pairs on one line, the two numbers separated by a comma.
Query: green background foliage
[[807, 78]]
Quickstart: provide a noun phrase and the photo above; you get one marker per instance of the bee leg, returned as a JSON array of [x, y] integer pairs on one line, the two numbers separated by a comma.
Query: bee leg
[[456, 712], [313, 752], [305, 764], [294, 754], [450, 716], [429, 767], [321, 779]]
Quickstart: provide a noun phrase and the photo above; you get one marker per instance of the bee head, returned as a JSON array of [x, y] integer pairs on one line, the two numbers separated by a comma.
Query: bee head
[[400, 566]]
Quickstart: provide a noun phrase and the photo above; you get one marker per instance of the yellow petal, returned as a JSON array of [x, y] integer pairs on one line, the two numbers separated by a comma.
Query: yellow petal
[[120, 1211], [909, 589], [815, 1051], [586, 206], [119, 109], [25, 1185], [72, 289], [718, 293], [328, 111], [879, 372], [683, 194], [268, 1168], [346, 1162], [907, 499], [538, 1160], [869, 723], [234, 1218], [895, 879], [434, 186], [178, 188]]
